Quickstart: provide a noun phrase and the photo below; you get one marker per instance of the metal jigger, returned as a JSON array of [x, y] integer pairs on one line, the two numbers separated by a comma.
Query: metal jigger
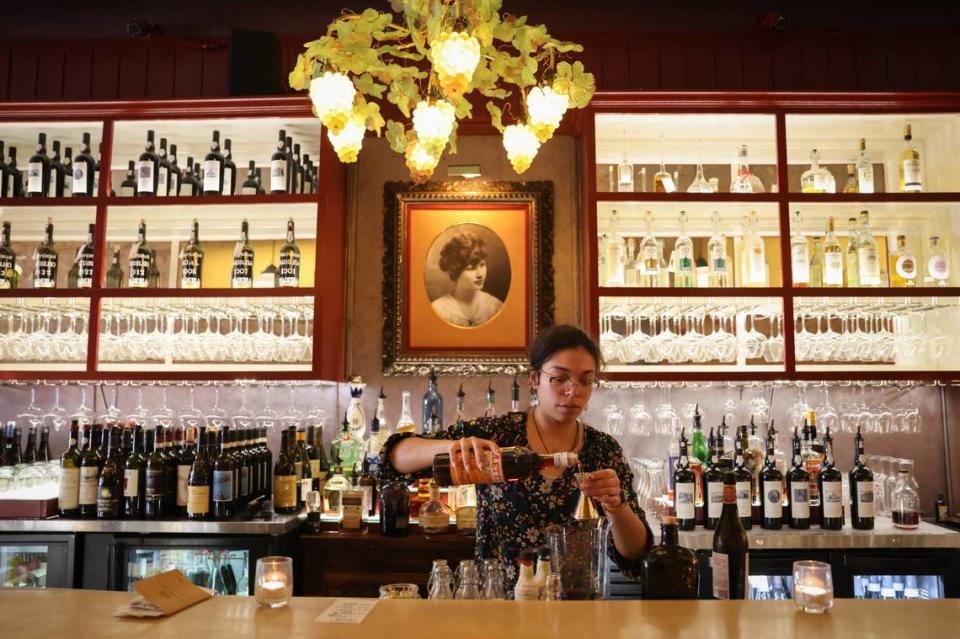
[[585, 510]]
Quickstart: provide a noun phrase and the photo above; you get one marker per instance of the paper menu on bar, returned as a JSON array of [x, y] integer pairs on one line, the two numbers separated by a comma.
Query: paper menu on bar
[[347, 610], [171, 591]]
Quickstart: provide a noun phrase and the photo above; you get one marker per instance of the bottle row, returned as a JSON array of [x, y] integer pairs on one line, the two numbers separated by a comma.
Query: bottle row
[[142, 269]]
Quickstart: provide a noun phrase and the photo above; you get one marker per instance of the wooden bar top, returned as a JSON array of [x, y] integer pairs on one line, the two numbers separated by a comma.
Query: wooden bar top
[[78, 614]]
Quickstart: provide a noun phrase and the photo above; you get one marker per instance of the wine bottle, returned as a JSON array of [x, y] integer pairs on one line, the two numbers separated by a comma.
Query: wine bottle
[[89, 476], [176, 175], [153, 495], [85, 260], [514, 463], [46, 260], [134, 476], [141, 259], [38, 169], [3, 173], [14, 176], [395, 509], [199, 479], [229, 169], [191, 260], [730, 547], [170, 472], [278, 166], [291, 164], [30, 452], [68, 172], [222, 486], [213, 181], [862, 511], [250, 186], [114, 277], [147, 173], [713, 486], [306, 184], [743, 482], [296, 170], [306, 473], [110, 486], [669, 571], [185, 460], [798, 485], [163, 170], [68, 502], [96, 173], [285, 478], [831, 491], [289, 272], [266, 460], [684, 489], [55, 186], [43, 450], [9, 277], [190, 182], [83, 168], [128, 187], [242, 275], [771, 488]]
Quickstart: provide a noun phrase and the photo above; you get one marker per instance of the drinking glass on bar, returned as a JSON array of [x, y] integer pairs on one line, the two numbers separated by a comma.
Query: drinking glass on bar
[[274, 585], [812, 586]]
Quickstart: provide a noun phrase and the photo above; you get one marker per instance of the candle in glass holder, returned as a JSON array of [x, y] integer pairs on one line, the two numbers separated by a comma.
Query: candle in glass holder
[[274, 582], [812, 586]]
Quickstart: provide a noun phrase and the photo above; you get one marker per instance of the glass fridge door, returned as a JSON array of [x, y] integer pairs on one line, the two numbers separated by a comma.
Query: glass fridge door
[[222, 570], [898, 587], [24, 565]]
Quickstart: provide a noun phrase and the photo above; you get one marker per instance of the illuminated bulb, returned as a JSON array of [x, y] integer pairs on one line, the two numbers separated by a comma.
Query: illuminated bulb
[[433, 123], [421, 160], [348, 141], [332, 95], [546, 108], [455, 56], [522, 145]]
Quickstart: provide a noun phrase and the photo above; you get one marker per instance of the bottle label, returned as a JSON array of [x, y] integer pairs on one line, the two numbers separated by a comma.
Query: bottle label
[[685, 500], [942, 512], [800, 499], [227, 181], [865, 503], [243, 270], [352, 517], [243, 479], [744, 499], [289, 270], [88, 485], [467, 518], [491, 471], [938, 267], [7, 266], [800, 263], [278, 175], [820, 183], [107, 501], [832, 499], [833, 269], [35, 177], [906, 267], [190, 270], [223, 485], [668, 185], [432, 520], [314, 467], [52, 187], [145, 171], [285, 491], [865, 178], [85, 270], [154, 484], [127, 191], [911, 175], [131, 482], [183, 475], [812, 466], [758, 264], [772, 501], [714, 500], [46, 270], [198, 500], [248, 190], [174, 184], [139, 271], [211, 182], [720, 563], [869, 263], [162, 181], [69, 495]]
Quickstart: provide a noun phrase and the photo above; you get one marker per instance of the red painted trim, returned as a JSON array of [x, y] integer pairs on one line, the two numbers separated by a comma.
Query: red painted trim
[[786, 266], [768, 102], [589, 277], [100, 246]]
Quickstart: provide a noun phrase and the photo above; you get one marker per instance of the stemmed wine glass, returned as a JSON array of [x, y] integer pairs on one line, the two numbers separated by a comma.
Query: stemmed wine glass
[[826, 413], [292, 416], [613, 417], [83, 413], [243, 417], [164, 416], [32, 415], [667, 420], [139, 416], [640, 421], [268, 417], [111, 413], [57, 415], [215, 417], [191, 417]]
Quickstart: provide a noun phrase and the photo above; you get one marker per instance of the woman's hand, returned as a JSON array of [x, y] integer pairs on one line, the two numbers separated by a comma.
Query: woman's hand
[[465, 459], [604, 486]]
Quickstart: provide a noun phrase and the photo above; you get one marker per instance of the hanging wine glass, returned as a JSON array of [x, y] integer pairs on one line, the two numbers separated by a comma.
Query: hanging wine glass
[[83, 413], [163, 416], [139, 415], [215, 417], [292, 416], [57, 416], [243, 417], [613, 416], [826, 414], [190, 416], [641, 422], [32, 415], [268, 417]]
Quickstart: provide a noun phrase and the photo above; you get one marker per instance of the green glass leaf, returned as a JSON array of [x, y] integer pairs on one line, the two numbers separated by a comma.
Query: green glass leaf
[[397, 136], [366, 84], [576, 83], [496, 116]]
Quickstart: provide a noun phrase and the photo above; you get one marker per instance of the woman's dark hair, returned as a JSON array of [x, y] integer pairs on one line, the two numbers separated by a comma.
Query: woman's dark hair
[[558, 338], [463, 250]]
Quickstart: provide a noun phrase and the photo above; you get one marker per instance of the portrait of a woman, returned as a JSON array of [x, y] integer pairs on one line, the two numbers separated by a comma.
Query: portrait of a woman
[[463, 259]]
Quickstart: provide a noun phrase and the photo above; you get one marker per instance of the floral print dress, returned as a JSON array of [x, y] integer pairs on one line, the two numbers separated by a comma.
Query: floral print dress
[[514, 516]]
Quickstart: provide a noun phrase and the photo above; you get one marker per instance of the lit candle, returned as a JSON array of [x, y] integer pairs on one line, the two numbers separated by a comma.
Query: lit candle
[[813, 593], [272, 590]]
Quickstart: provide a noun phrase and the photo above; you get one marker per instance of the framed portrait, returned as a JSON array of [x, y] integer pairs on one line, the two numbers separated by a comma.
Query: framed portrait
[[467, 275]]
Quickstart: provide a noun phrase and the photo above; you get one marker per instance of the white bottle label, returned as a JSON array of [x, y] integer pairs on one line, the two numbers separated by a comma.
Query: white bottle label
[[906, 267], [865, 179], [248, 190], [649, 265], [668, 184], [198, 500], [69, 497], [615, 262], [278, 175], [183, 474], [800, 499], [820, 183], [10, 186], [800, 263], [721, 575], [772, 501], [52, 188], [211, 176], [35, 177], [227, 180], [938, 267], [68, 183], [869, 263], [131, 482], [127, 191], [162, 181], [684, 501], [714, 500], [911, 175], [88, 485], [865, 503], [744, 500], [757, 264], [145, 170], [833, 269], [174, 184], [832, 499]]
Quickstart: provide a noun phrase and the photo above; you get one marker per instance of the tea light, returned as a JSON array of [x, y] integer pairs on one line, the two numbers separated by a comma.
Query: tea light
[[274, 582], [813, 586]]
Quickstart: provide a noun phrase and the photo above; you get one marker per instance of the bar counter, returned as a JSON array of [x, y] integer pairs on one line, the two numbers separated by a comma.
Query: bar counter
[[80, 614], [276, 525]]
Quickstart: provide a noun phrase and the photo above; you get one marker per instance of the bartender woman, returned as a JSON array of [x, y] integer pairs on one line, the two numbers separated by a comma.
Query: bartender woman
[[511, 517]]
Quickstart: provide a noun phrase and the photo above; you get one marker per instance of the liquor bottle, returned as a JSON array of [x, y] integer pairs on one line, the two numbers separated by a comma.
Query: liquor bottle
[[242, 275], [55, 186], [905, 499], [941, 511], [250, 186], [684, 489], [333, 489], [68, 502], [128, 187], [83, 169], [229, 169], [306, 472], [648, 262], [729, 559], [625, 174], [68, 172], [615, 256], [938, 268], [911, 180], [868, 254], [405, 423], [862, 506], [799, 254], [717, 252], [134, 476], [291, 164], [185, 458], [84, 261], [176, 175], [698, 443], [191, 260], [681, 261], [38, 170], [289, 271], [285, 478], [141, 259], [147, 169], [713, 486], [817, 179], [771, 489], [743, 482], [812, 462], [864, 170], [190, 182], [432, 403], [832, 258], [14, 177], [163, 170], [382, 411], [213, 185], [394, 509], [903, 265], [222, 487], [745, 181], [755, 254], [89, 476], [630, 268], [368, 486], [46, 260], [96, 173], [798, 487], [155, 469], [9, 277], [514, 396], [199, 480], [110, 486], [347, 449], [669, 571], [831, 489], [816, 263], [114, 276], [514, 463], [662, 180], [434, 514], [278, 166]]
